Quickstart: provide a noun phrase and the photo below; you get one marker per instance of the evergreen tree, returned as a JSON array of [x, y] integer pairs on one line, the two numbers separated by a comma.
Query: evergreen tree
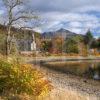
[[88, 37], [88, 40], [71, 46]]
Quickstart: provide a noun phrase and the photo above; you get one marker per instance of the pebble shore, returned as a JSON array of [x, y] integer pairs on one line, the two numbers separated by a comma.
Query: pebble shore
[[67, 81]]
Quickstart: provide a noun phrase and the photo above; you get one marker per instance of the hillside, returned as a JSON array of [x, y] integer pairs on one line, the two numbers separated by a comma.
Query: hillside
[[19, 33], [61, 32], [22, 38], [46, 35]]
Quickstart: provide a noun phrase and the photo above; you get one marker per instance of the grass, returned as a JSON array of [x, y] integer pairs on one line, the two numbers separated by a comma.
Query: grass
[[69, 95], [27, 83], [21, 81]]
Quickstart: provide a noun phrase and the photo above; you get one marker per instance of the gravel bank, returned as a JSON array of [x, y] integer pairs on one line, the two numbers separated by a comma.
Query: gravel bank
[[66, 82]]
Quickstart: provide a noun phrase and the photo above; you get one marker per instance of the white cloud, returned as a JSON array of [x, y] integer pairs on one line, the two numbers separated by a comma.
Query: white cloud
[[37, 30], [76, 22], [78, 30], [69, 14], [62, 5], [88, 8]]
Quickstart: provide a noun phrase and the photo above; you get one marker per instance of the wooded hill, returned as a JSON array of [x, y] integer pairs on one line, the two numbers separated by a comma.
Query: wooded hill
[[57, 42], [18, 34]]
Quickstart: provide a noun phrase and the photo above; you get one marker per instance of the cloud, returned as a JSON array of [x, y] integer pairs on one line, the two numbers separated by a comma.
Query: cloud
[[1, 12], [74, 15], [61, 5], [76, 22], [88, 8]]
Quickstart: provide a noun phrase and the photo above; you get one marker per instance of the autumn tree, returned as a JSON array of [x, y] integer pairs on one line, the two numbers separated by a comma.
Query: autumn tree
[[94, 44], [98, 42], [16, 15], [38, 40], [46, 45], [57, 42], [71, 46], [88, 39]]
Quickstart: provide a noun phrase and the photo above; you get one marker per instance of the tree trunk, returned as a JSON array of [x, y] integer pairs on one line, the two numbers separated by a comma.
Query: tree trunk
[[8, 41], [88, 49]]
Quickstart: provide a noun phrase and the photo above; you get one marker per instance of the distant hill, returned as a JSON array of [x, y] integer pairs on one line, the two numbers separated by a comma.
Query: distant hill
[[46, 35], [21, 38], [61, 32], [19, 32]]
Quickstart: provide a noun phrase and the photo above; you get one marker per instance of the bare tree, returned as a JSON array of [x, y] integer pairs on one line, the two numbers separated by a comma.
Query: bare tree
[[15, 13]]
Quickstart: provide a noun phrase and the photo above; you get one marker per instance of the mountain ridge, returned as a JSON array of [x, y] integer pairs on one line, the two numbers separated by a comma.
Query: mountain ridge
[[64, 33]]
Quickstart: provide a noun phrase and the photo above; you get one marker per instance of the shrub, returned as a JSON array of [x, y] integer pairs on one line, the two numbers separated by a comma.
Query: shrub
[[71, 46], [19, 79], [2, 43]]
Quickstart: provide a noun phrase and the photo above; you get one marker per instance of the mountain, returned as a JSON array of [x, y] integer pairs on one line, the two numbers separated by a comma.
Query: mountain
[[61, 32]]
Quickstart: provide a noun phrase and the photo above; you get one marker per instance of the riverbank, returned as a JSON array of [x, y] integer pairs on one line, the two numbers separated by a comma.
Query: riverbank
[[60, 94], [59, 58], [67, 84]]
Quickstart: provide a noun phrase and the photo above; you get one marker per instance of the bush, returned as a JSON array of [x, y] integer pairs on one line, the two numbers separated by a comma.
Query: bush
[[20, 79], [71, 46], [2, 43]]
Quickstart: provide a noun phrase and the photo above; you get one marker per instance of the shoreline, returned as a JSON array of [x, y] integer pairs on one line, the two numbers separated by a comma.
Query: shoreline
[[62, 81], [61, 58]]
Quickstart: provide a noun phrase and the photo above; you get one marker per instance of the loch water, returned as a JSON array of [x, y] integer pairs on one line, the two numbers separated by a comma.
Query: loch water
[[82, 68]]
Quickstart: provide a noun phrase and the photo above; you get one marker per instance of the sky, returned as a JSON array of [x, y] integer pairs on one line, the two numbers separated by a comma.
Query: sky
[[75, 15]]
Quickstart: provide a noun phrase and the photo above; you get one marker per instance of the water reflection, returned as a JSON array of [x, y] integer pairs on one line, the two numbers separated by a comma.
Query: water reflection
[[89, 69], [97, 72]]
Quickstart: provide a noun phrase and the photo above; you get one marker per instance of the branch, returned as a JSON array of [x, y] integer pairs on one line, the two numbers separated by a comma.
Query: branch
[[12, 3], [19, 12], [26, 28], [18, 2], [24, 17]]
